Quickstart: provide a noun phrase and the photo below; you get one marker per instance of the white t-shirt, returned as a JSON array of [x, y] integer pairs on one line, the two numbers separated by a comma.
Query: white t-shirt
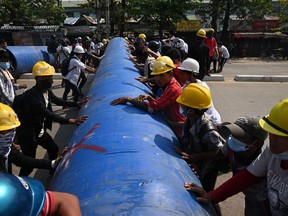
[[63, 52], [224, 51], [74, 74], [277, 180]]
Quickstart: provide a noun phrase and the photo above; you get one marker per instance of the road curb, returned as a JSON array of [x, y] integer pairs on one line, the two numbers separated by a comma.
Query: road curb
[[261, 78], [30, 76], [214, 77]]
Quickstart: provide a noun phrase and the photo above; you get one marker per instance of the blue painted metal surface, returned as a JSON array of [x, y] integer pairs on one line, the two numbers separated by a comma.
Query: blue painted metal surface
[[121, 160], [24, 57]]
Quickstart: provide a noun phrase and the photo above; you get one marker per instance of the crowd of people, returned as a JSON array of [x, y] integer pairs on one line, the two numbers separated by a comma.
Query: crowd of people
[[175, 73]]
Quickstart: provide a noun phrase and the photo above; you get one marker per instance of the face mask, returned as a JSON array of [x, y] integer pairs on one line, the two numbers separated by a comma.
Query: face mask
[[5, 65], [282, 156], [236, 145], [46, 84], [6, 142]]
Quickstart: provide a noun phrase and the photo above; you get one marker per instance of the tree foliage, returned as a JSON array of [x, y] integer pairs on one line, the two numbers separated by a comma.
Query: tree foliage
[[25, 12]]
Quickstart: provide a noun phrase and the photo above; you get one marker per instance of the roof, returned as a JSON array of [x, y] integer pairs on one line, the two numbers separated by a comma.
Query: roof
[[74, 20], [43, 27]]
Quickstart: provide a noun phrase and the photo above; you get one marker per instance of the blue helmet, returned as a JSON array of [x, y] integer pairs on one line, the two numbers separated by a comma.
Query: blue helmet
[[20, 195]]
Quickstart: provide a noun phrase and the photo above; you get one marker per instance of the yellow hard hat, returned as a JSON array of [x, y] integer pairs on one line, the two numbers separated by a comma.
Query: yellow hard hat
[[142, 36], [195, 96], [41, 68], [8, 118], [211, 30], [162, 65], [277, 120], [201, 33]]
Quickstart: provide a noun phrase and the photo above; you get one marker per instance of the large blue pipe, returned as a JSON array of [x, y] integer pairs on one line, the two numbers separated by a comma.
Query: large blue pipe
[[121, 160], [24, 57]]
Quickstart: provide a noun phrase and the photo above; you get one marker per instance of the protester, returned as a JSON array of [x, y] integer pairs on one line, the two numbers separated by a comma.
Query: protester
[[189, 70], [200, 52], [75, 68], [7, 81], [35, 113], [210, 41], [199, 134], [27, 196], [175, 55], [272, 164], [9, 151], [224, 56], [52, 46], [162, 71]]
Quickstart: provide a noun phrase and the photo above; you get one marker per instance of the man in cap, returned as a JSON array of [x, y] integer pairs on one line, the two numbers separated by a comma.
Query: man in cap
[[200, 136], [200, 52], [272, 163], [35, 113]]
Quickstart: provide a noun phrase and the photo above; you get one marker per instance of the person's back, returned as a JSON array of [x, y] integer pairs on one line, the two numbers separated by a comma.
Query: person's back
[[200, 52]]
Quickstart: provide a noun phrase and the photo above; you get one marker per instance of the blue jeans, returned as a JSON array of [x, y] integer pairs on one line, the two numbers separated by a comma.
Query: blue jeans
[[68, 87]]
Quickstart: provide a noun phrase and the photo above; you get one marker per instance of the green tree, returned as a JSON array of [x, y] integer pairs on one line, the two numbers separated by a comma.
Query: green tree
[[25, 12]]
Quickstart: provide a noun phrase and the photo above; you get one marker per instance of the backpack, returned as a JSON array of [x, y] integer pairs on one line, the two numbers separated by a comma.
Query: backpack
[[65, 66]]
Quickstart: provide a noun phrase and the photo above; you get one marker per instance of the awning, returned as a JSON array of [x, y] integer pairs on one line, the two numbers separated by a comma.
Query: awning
[[278, 35]]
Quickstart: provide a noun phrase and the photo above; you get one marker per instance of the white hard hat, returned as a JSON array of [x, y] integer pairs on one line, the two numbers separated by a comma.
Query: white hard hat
[[79, 49], [190, 65], [178, 43]]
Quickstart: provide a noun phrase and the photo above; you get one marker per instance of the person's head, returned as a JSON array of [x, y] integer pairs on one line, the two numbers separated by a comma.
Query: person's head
[[139, 42], [3, 43], [219, 43], [210, 32], [64, 42], [247, 137], [8, 124], [20, 195], [165, 49], [53, 37], [79, 51], [4, 59], [195, 99], [276, 124], [86, 41], [154, 45], [175, 55], [162, 70], [142, 36], [201, 35], [178, 43], [189, 69], [43, 74]]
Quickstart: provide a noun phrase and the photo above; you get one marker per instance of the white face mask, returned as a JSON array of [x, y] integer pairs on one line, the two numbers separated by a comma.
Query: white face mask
[[282, 156], [6, 141], [236, 145]]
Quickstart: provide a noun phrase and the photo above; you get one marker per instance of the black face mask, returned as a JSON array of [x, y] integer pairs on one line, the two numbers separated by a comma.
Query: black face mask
[[46, 84]]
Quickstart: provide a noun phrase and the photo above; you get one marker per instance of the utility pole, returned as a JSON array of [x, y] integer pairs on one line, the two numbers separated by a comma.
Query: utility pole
[[98, 16], [107, 18]]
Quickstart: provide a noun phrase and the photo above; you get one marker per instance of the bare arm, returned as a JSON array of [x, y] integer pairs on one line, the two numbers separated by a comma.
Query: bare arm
[[66, 204]]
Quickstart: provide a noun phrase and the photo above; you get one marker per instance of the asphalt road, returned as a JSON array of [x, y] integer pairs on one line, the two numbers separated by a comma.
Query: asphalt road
[[232, 99]]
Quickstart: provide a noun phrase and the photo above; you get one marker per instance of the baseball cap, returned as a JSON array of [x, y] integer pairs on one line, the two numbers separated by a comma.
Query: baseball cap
[[247, 126]]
